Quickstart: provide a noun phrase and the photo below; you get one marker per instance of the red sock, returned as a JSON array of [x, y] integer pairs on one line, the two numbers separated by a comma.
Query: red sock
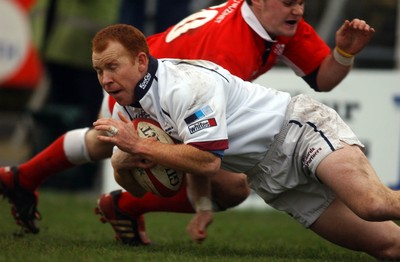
[[48, 162], [150, 202]]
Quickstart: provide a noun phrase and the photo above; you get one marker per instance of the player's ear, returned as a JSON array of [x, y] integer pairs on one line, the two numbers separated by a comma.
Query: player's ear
[[143, 61], [256, 3]]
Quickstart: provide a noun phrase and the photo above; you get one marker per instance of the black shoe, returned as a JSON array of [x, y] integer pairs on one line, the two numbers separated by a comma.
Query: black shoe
[[23, 202], [129, 230]]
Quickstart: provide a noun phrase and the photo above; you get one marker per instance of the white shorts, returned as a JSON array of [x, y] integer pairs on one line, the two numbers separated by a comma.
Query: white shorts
[[286, 178]]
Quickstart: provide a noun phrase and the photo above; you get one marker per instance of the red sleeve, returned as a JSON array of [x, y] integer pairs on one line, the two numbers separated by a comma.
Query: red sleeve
[[306, 50]]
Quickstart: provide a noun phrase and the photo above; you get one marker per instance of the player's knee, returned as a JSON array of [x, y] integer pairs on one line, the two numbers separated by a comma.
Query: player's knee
[[242, 187], [231, 194]]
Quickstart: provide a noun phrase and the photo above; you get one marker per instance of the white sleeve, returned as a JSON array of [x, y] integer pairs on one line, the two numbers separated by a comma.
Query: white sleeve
[[117, 108]]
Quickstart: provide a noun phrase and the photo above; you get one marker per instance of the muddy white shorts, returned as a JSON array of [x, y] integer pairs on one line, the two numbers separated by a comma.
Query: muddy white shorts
[[286, 178]]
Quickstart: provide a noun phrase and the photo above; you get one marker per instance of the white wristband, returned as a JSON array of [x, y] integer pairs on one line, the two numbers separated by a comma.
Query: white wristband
[[343, 60], [203, 204]]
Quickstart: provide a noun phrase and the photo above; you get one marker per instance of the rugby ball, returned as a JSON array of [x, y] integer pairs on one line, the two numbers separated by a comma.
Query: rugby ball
[[159, 180]]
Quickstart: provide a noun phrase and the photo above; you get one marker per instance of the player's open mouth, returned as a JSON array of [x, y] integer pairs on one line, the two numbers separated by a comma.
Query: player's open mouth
[[291, 22], [113, 93]]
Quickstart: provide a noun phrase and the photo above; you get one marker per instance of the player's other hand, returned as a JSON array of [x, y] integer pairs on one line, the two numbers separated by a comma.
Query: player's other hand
[[197, 228], [354, 35]]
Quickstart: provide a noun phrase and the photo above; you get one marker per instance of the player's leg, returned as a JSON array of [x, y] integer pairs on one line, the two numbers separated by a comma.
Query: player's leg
[[228, 190], [339, 225], [18, 184], [362, 201], [75, 147], [47, 162], [349, 174]]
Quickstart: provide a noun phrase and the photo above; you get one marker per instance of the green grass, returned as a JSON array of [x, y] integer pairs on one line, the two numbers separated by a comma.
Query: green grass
[[71, 232]]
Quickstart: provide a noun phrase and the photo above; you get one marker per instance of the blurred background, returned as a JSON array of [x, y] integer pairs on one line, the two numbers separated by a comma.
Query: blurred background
[[47, 85]]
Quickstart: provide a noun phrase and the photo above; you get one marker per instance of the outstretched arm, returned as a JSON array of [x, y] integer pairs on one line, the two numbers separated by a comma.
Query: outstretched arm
[[351, 38]]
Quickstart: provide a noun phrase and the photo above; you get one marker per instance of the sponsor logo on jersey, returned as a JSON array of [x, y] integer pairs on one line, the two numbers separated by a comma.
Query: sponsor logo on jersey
[[145, 81], [138, 113], [312, 153], [227, 11], [201, 113], [278, 49], [203, 124]]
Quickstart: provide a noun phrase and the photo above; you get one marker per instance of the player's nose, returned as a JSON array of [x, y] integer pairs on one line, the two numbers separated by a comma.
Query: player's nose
[[106, 78]]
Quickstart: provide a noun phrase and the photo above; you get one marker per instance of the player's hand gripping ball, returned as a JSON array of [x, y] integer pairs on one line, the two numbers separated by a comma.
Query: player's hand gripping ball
[[159, 180]]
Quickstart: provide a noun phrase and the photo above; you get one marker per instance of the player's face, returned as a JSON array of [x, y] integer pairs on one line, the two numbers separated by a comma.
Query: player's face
[[118, 72], [280, 17]]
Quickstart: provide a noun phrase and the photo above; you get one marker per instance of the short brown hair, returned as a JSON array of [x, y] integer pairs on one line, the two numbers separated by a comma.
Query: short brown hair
[[128, 36]]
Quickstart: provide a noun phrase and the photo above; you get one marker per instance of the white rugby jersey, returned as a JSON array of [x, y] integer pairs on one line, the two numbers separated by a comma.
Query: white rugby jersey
[[201, 104]]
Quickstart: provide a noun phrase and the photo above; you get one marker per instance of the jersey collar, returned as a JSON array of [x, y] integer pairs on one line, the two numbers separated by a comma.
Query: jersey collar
[[144, 85], [253, 22]]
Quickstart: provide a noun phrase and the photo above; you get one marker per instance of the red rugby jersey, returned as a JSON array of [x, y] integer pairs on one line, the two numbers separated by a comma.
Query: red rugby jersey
[[221, 34]]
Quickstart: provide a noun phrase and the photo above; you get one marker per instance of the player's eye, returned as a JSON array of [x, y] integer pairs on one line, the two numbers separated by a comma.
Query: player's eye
[[112, 67], [292, 3], [98, 71]]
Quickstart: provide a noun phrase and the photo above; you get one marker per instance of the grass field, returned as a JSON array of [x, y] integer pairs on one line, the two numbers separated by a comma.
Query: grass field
[[71, 232]]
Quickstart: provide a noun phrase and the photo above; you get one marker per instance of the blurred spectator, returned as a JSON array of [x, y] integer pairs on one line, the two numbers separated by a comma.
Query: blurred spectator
[[63, 30], [196, 5], [153, 16]]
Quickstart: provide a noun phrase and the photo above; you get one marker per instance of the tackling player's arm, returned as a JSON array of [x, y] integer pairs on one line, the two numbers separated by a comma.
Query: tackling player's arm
[[330, 74], [351, 38], [200, 192]]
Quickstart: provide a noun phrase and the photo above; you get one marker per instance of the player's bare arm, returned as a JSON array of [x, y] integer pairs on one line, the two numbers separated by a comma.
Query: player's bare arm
[[180, 157], [124, 161], [351, 38], [200, 190]]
